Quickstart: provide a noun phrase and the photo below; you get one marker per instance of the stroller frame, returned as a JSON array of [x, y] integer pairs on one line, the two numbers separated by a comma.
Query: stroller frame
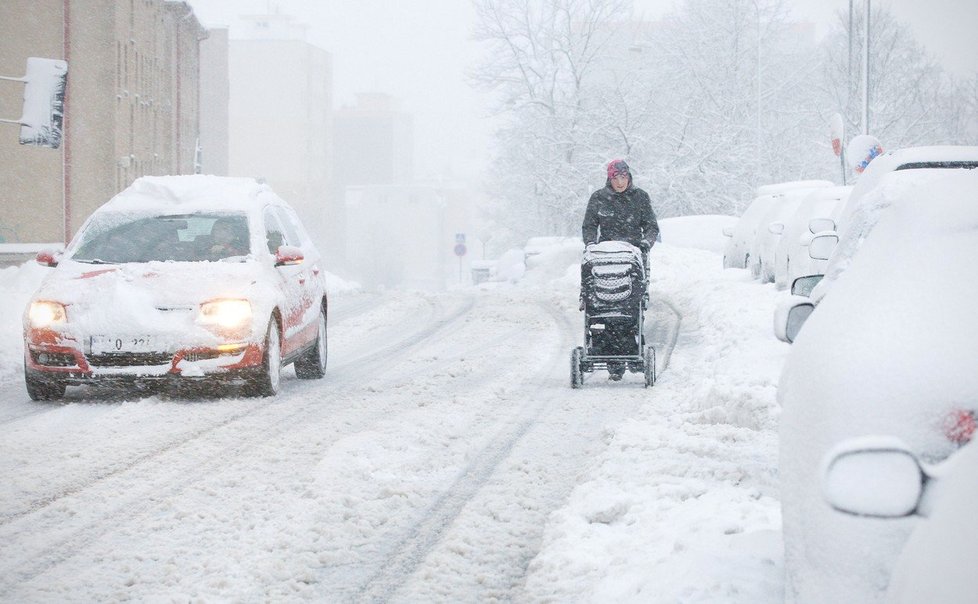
[[604, 318]]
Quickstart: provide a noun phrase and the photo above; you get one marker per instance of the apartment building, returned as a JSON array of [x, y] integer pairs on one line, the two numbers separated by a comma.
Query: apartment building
[[131, 106]]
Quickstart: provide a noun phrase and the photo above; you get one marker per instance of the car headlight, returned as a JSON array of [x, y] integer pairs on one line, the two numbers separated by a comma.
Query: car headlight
[[226, 313], [44, 313]]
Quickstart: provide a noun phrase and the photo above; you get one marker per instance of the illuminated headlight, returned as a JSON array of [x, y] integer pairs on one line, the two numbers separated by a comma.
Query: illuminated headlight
[[226, 313], [45, 314]]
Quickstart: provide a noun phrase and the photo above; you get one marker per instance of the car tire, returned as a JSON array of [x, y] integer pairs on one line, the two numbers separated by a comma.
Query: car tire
[[41, 389], [269, 379], [311, 365]]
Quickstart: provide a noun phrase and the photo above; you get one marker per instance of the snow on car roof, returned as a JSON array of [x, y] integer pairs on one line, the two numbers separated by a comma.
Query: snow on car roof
[[197, 191], [781, 187]]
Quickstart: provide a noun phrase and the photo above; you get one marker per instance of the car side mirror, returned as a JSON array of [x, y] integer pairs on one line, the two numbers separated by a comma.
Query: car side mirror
[[48, 258], [775, 228], [728, 231], [873, 476], [790, 315], [803, 286], [288, 255], [818, 225], [822, 246]]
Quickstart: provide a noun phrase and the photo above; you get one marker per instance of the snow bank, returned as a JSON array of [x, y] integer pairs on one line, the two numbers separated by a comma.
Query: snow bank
[[682, 505]]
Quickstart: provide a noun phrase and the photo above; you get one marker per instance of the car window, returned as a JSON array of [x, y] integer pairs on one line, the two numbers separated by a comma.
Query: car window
[[123, 238], [275, 234], [288, 225]]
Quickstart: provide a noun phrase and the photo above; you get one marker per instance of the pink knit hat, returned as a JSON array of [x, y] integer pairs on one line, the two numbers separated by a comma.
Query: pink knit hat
[[618, 166]]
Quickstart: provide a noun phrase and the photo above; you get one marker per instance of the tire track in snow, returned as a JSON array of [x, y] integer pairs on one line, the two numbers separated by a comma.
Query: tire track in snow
[[421, 538], [64, 547]]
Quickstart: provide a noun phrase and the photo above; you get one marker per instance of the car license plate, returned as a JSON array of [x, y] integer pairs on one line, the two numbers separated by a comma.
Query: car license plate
[[119, 344]]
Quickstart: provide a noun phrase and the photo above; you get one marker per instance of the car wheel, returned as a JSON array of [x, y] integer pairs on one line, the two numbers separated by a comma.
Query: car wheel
[[40, 389], [269, 379], [312, 364]]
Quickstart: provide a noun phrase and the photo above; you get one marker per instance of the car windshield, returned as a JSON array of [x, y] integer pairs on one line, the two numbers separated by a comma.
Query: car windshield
[[117, 238]]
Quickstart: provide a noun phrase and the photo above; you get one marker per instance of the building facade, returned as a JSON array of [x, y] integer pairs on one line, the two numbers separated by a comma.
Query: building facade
[[373, 145], [280, 105], [131, 106]]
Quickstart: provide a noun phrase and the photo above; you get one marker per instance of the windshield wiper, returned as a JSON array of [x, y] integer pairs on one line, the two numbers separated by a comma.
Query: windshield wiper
[[93, 261]]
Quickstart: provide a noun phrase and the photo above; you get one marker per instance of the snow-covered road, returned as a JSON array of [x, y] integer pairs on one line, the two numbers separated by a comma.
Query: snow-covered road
[[443, 458]]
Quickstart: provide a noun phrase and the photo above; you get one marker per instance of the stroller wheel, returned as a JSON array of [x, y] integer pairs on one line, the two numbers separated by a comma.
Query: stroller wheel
[[577, 372], [649, 366]]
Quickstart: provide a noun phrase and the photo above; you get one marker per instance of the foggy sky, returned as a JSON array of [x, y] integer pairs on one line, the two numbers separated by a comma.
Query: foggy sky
[[420, 52]]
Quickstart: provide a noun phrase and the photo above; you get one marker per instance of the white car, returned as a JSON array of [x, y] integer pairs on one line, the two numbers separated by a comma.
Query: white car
[[881, 477], [911, 158], [814, 215], [770, 228], [836, 252], [180, 279], [736, 254], [891, 351]]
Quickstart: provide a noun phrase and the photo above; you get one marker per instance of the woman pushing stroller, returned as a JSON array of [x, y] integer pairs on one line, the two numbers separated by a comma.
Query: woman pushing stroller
[[620, 211]]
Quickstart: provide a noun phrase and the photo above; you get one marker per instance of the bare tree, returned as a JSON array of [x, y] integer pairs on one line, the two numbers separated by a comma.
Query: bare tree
[[912, 100]]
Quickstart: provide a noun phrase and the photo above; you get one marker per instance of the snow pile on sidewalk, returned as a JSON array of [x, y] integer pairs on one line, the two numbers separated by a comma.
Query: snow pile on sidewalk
[[682, 506]]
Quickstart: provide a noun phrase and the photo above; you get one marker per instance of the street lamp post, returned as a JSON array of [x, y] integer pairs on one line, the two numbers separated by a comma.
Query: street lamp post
[[866, 70]]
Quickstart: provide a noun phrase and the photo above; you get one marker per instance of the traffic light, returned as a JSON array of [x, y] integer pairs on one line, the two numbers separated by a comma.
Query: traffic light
[[44, 98]]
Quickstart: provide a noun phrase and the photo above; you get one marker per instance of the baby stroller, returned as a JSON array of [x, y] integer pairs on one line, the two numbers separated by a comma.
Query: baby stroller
[[614, 284]]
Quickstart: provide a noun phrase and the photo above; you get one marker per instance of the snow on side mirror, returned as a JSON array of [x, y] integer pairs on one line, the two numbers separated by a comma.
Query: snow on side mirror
[[728, 231], [873, 476], [803, 286], [790, 314], [47, 258], [822, 246], [775, 228], [287, 255], [817, 225]]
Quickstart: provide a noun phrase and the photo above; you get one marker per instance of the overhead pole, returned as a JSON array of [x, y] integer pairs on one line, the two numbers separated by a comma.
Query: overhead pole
[[866, 70], [849, 76]]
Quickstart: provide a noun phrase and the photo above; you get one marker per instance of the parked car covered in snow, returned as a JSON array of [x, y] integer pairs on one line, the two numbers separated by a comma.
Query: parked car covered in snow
[[736, 254], [813, 216], [881, 477], [836, 252], [769, 231], [180, 278], [891, 351]]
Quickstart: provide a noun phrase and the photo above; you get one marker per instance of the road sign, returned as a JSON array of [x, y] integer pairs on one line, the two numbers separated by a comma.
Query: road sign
[[460, 249], [459, 237]]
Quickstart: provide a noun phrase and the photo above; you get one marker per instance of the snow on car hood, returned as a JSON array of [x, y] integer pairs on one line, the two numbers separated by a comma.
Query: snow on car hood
[[135, 296]]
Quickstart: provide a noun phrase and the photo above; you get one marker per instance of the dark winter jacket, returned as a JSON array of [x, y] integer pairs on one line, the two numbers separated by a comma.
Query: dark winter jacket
[[625, 216]]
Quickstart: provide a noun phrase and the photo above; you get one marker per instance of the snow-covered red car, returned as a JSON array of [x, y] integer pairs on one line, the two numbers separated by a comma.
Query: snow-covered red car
[[881, 477], [180, 278], [891, 351]]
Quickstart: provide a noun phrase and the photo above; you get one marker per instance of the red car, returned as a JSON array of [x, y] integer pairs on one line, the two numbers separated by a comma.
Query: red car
[[180, 279]]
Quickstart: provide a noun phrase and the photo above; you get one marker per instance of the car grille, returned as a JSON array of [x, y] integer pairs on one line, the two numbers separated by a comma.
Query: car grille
[[130, 359]]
